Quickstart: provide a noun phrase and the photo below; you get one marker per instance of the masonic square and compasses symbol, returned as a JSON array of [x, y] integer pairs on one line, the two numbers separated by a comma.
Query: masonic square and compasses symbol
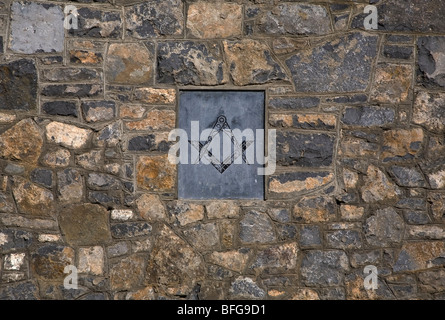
[[221, 125]]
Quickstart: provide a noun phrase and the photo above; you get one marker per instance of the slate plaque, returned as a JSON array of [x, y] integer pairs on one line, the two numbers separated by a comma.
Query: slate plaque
[[231, 174]]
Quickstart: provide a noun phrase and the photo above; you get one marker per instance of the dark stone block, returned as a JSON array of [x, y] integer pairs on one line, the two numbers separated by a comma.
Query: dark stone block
[[325, 268], [305, 150], [407, 177], [368, 116], [43, 177], [94, 111], [344, 239], [105, 198], [357, 98], [294, 103], [18, 85], [310, 236], [130, 229], [20, 291], [429, 70], [398, 52], [15, 239], [313, 71], [60, 108], [416, 217], [65, 90], [98, 24]]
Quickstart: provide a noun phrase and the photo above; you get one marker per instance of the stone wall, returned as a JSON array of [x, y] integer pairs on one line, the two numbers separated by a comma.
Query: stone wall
[[84, 178]]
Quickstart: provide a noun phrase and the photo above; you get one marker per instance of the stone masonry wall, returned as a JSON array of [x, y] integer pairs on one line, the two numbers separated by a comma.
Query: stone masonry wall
[[84, 178]]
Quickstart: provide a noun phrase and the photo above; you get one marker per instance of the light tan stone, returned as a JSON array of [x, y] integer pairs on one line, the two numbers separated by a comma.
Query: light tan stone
[[67, 135]]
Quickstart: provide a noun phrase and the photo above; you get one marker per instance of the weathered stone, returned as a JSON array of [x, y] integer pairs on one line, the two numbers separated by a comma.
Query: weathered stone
[[428, 111], [27, 290], [85, 57], [173, 261], [426, 232], [246, 288], [131, 111], [416, 217], [431, 62], [185, 213], [277, 214], [7, 118], [385, 228], [150, 207], [57, 159], [154, 19], [15, 239], [365, 258], [392, 83], [150, 142], [294, 19], [305, 294], [435, 175], [155, 173], [190, 63], [251, 62], [24, 142], [155, 96], [21, 222], [203, 236], [395, 16], [235, 260], [72, 90], [304, 150], [111, 198], [110, 136], [70, 185], [407, 177], [14, 261], [6, 203], [94, 23], [60, 108], [99, 181], [129, 63], [411, 203], [420, 255], [294, 103], [398, 52], [368, 116], [85, 224], [324, 268], [303, 121], [91, 160], [142, 245], [256, 227], [49, 261], [147, 293], [130, 230], [118, 249], [355, 289], [44, 32], [352, 147], [222, 209], [432, 281], [318, 69], [437, 201], [344, 239], [91, 260], [214, 20], [310, 236], [19, 82], [314, 209], [351, 213], [32, 199], [127, 273], [94, 111], [289, 184], [401, 144], [70, 75], [378, 187], [122, 214], [51, 60], [49, 237], [155, 120], [67, 135], [276, 259], [228, 233]]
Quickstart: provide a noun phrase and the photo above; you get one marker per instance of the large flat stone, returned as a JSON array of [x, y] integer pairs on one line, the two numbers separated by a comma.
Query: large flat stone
[[36, 27], [431, 62], [340, 65]]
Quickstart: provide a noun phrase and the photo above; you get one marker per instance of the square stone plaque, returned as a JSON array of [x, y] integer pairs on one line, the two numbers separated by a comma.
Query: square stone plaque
[[229, 174]]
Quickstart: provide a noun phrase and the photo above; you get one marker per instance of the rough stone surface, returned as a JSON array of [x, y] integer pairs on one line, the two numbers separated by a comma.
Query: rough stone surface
[[325, 268], [368, 116], [150, 207], [214, 20], [190, 63], [155, 173], [44, 30], [384, 228], [85, 224], [19, 83], [70, 185], [129, 63], [256, 227], [67, 135], [419, 255], [95, 23], [428, 111], [314, 209], [292, 183], [127, 273], [32, 199], [49, 261], [391, 83], [338, 59], [246, 288], [235, 260], [29, 150], [378, 187], [402, 144], [256, 67], [154, 19]]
